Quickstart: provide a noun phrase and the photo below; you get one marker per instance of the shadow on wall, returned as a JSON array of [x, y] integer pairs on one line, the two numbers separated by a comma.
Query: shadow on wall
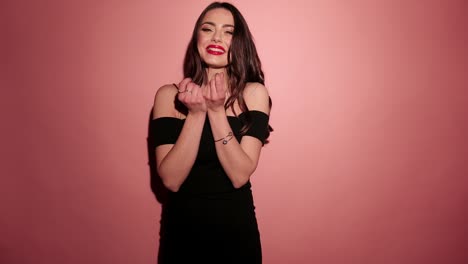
[[157, 187], [159, 190]]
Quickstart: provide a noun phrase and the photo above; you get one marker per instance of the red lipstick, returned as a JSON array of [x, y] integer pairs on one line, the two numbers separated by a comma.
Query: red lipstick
[[215, 50]]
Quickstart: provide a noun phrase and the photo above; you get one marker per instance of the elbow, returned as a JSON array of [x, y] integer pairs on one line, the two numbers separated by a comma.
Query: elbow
[[239, 185], [169, 182], [171, 186], [240, 181]]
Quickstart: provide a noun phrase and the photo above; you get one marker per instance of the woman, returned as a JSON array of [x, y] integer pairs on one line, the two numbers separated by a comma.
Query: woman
[[209, 131]]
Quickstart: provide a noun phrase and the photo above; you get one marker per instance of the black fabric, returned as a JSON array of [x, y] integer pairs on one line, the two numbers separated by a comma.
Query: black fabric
[[210, 229], [171, 127], [208, 220], [165, 130], [259, 127]]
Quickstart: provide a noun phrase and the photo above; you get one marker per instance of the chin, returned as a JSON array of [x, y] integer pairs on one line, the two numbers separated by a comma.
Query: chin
[[216, 65]]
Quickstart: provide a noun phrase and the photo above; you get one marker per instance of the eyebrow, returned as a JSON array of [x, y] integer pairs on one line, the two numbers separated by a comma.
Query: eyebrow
[[213, 24]]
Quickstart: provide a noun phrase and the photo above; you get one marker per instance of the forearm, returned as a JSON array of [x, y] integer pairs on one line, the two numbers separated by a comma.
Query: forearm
[[178, 162], [234, 160]]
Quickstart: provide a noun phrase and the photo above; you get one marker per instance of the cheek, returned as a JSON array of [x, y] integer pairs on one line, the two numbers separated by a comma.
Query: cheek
[[201, 39], [228, 41], [228, 44], [200, 46]]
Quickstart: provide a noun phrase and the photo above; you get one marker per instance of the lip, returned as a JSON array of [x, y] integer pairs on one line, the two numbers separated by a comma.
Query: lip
[[220, 50]]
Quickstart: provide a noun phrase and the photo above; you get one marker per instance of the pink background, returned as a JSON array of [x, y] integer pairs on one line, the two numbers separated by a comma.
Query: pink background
[[368, 163]]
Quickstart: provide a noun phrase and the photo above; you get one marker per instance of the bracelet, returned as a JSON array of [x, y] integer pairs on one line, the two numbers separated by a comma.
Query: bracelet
[[225, 139]]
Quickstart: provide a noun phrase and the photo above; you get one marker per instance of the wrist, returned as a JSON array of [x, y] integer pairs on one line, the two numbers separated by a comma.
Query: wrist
[[225, 139], [196, 114], [217, 112]]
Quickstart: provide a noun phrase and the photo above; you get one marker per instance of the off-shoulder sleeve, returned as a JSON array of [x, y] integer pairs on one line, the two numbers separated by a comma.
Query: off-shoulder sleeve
[[259, 127], [165, 130]]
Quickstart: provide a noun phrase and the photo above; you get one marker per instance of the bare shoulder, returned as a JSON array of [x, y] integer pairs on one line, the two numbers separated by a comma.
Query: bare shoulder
[[256, 97], [166, 90], [164, 101]]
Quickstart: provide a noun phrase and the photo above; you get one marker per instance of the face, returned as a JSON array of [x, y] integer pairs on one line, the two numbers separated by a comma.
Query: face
[[214, 37]]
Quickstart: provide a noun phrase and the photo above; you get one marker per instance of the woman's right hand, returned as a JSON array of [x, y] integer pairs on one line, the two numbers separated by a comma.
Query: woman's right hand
[[190, 94]]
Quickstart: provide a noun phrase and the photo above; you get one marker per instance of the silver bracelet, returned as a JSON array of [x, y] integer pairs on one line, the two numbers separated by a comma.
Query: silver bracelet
[[225, 139]]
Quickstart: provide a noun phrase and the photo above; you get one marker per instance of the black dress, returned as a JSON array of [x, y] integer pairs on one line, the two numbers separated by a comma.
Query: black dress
[[208, 220]]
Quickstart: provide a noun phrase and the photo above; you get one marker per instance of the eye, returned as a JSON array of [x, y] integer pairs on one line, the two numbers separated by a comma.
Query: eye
[[229, 32], [206, 29]]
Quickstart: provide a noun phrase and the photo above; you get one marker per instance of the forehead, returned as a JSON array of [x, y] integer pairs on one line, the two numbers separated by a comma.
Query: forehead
[[219, 16]]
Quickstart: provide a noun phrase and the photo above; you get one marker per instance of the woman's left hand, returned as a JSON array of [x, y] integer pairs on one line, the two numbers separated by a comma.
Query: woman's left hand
[[215, 93]]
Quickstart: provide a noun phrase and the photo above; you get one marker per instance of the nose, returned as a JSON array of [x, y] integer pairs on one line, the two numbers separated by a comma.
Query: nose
[[217, 36]]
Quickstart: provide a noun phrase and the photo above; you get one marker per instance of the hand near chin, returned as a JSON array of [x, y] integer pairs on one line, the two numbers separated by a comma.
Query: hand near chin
[[215, 93], [190, 94]]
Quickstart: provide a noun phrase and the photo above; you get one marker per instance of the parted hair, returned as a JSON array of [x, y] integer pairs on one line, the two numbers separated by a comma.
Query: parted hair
[[244, 64]]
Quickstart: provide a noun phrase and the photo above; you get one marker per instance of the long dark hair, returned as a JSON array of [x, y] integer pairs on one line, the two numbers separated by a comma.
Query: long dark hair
[[243, 62]]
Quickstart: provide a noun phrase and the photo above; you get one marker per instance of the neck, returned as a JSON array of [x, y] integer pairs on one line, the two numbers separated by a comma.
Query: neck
[[211, 72]]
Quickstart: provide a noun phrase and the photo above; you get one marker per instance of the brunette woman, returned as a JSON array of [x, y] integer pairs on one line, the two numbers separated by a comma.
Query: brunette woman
[[209, 131]]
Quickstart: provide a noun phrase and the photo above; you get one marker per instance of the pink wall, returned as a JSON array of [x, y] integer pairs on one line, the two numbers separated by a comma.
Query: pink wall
[[368, 163]]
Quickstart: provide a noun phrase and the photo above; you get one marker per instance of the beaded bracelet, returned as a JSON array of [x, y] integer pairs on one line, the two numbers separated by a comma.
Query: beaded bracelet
[[225, 139]]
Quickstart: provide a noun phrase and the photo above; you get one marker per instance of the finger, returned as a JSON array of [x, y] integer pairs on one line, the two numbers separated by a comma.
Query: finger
[[185, 94], [213, 92], [197, 95], [190, 88], [183, 84], [206, 91], [181, 96], [201, 92], [219, 81]]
